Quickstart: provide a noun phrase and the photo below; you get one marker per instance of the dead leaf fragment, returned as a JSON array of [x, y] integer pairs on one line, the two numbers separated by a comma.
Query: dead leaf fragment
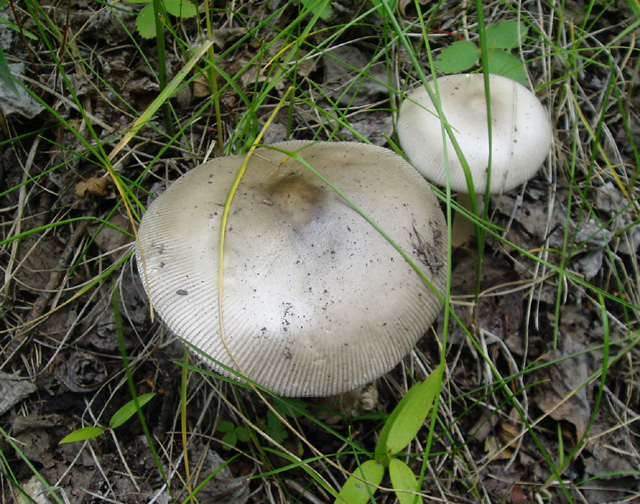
[[111, 239], [224, 37], [498, 451], [351, 79], [94, 186], [34, 491], [402, 5], [13, 389], [201, 87], [562, 395]]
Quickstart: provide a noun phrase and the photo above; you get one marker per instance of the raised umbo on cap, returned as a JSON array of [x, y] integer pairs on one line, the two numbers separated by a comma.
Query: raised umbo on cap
[[315, 301]]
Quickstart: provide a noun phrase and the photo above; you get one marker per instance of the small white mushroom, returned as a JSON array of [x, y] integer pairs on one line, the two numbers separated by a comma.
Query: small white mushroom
[[521, 134], [315, 301]]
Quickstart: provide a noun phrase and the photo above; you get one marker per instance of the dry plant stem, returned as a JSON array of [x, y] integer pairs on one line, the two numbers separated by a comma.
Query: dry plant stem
[[302, 492], [67, 102], [39, 307], [124, 460], [22, 194]]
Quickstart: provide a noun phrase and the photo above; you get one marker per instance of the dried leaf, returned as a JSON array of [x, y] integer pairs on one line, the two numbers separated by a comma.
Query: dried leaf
[[13, 389], [402, 5], [94, 186], [562, 395]]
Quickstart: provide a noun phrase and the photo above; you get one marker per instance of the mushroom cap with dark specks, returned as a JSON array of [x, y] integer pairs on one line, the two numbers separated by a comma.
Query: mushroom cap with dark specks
[[315, 301], [521, 132]]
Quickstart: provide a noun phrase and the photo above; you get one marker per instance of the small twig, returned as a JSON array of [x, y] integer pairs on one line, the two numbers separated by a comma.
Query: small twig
[[124, 461], [22, 198], [303, 492]]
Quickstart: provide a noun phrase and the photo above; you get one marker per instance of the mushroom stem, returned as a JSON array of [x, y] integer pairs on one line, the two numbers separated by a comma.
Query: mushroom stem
[[463, 229]]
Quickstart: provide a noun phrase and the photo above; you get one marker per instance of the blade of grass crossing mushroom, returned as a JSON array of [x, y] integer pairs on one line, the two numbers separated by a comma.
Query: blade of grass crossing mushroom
[[302, 161], [225, 217], [220, 273], [480, 232], [447, 130], [223, 227], [145, 117]]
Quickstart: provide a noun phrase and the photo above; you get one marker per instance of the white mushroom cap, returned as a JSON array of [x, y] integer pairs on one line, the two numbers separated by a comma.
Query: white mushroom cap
[[315, 300], [521, 132]]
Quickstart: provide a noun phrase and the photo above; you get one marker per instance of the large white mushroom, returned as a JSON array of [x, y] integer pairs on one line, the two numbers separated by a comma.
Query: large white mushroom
[[521, 135], [315, 301]]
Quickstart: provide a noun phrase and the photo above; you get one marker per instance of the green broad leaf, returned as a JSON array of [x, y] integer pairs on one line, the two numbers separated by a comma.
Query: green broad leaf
[[225, 426], [82, 434], [128, 410], [413, 413], [458, 57], [402, 478], [180, 8], [243, 434], [355, 491], [381, 454], [321, 8], [275, 428], [137, 1], [146, 22], [505, 34], [507, 65], [229, 439]]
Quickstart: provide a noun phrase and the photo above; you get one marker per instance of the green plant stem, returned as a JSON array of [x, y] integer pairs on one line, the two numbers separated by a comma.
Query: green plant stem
[[183, 417], [132, 387], [213, 81], [159, 13]]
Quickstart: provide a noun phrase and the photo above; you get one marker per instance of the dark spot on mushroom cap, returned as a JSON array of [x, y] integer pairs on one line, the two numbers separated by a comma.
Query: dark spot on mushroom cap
[[294, 192]]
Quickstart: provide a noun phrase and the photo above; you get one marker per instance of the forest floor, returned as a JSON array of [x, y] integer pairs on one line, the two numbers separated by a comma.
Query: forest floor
[[541, 397]]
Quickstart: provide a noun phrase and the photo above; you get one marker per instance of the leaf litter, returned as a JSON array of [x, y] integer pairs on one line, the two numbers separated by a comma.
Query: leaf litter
[[70, 374]]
